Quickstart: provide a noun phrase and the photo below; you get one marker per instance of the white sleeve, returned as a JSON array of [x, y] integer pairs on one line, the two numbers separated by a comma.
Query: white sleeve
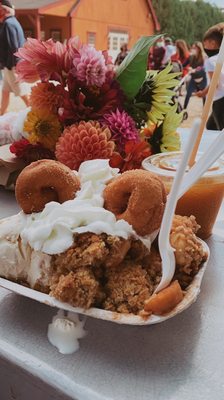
[[210, 64]]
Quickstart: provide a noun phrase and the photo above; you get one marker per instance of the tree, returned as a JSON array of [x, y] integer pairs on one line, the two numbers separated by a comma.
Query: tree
[[186, 19]]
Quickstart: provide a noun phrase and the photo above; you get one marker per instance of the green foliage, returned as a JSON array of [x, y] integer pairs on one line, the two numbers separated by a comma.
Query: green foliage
[[132, 71], [155, 139], [185, 19], [138, 111]]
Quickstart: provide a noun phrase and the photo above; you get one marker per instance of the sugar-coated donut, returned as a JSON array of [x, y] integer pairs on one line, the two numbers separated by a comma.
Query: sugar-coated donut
[[44, 181], [139, 198]]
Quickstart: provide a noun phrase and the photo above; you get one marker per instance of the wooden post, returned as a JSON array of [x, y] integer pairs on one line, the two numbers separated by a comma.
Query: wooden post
[[38, 27]]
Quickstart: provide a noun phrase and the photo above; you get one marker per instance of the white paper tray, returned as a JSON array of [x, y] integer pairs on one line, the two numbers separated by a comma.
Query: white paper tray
[[129, 319]]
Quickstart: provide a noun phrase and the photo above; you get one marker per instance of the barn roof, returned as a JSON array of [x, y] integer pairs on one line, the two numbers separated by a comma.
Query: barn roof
[[38, 4], [35, 4]]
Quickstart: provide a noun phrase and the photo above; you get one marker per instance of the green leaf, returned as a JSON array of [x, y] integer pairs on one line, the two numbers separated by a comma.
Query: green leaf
[[142, 105], [132, 71]]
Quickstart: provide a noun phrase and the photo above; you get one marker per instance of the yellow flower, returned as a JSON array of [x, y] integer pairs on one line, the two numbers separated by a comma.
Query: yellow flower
[[43, 128], [171, 140], [162, 90]]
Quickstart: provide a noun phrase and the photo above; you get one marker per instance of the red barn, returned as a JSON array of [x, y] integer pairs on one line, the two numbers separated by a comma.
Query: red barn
[[106, 24]]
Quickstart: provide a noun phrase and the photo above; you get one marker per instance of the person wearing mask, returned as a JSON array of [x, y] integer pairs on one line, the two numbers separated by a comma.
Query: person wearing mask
[[170, 50], [198, 78], [212, 41], [156, 55], [182, 55], [11, 38]]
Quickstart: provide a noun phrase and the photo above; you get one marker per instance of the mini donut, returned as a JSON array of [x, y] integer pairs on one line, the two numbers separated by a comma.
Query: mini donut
[[44, 181], [139, 198]]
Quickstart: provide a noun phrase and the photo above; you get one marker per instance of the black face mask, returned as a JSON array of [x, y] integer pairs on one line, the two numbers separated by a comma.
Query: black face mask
[[211, 53]]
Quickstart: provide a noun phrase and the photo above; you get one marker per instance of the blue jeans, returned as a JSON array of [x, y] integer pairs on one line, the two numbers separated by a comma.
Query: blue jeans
[[194, 87]]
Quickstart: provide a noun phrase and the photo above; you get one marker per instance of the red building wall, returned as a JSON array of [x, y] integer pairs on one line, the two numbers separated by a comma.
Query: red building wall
[[92, 17], [99, 16]]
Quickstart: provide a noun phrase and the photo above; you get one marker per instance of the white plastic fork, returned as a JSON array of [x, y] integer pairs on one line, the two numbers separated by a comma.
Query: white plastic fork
[[165, 248]]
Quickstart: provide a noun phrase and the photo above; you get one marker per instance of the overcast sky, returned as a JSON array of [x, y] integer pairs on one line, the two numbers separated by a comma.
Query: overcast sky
[[219, 3]]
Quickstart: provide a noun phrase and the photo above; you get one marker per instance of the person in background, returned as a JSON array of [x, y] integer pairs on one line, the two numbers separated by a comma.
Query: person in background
[[156, 55], [123, 53], [170, 50], [198, 78], [182, 55], [212, 41], [11, 38]]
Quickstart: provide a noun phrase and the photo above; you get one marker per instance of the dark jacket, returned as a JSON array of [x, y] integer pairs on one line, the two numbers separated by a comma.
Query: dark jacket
[[11, 38], [121, 56]]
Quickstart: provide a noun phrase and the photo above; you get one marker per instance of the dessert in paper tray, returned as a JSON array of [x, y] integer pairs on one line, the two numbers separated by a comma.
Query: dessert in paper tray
[[86, 242], [11, 130], [10, 166]]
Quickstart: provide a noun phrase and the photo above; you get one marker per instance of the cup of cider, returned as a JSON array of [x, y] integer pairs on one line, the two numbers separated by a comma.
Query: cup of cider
[[203, 199]]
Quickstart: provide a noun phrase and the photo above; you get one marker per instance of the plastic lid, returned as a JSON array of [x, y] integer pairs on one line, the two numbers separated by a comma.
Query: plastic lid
[[165, 164]]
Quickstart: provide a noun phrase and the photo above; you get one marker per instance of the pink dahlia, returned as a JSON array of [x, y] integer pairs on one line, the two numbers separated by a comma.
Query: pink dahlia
[[90, 66], [46, 60], [122, 127], [83, 141], [73, 47], [27, 72]]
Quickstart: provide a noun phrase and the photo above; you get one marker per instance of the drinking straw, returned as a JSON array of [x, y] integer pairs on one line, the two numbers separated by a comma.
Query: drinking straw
[[208, 102]]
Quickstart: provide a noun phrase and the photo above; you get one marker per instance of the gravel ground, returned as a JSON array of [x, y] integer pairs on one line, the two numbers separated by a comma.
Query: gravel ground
[[194, 110]]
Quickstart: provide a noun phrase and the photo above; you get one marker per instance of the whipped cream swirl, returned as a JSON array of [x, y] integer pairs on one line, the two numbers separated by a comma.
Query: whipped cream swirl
[[51, 231]]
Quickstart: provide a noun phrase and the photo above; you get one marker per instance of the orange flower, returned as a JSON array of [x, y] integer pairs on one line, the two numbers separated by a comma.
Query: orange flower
[[84, 141], [45, 95], [135, 153], [148, 132]]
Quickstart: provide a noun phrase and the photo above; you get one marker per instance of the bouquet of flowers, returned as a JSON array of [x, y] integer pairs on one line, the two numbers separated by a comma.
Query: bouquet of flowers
[[83, 108]]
